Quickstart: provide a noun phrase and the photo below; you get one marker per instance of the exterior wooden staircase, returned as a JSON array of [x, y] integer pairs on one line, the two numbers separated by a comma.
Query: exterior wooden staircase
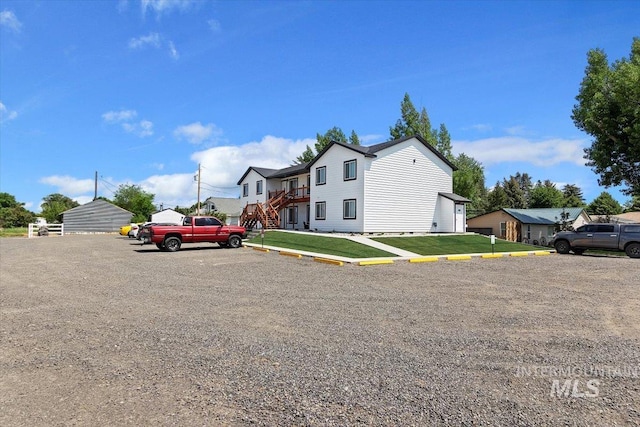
[[268, 214]]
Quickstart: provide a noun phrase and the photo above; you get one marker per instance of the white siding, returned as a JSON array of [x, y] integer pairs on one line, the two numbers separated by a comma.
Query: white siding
[[251, 179], [401, 190], [336, 190]]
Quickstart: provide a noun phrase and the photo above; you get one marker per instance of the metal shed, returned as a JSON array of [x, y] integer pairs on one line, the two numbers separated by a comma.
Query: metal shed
[[97, 216]]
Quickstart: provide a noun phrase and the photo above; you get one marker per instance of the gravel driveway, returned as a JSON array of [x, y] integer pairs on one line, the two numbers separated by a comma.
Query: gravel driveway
[[96, 330]]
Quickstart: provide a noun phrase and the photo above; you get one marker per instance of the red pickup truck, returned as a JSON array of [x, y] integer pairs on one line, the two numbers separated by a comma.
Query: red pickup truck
[[194, 229]]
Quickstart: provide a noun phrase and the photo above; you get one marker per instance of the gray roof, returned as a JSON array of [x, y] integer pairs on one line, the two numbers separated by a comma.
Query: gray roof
[[229, 206], [543, 216], [455, 197]]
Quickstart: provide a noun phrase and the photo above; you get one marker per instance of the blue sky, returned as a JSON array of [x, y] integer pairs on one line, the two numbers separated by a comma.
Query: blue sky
[[141, 92]]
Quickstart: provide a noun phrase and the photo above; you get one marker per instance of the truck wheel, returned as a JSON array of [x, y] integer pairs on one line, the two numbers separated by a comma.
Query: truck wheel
[[172, 244], [633, 250], [235, 241], [223, 244], [562, 247]]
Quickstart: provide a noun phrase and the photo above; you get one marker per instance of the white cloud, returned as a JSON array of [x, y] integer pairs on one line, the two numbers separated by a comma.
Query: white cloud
[[548, 152], [214, 25], [165, 6], [125, 118], [9, 21], [173, 51], [6, 114], [119, 116], [68, 185], [482, 127], [142, 129], [197, 133], [153, 40], [223, 166]]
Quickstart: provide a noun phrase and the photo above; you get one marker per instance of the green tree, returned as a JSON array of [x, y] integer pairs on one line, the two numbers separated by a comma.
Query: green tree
[[497, 198], [413, 123], [135, 200], [54, 204], [545, 195], [572, 195], [608, 109], [12, 213], [444, 143], [516, 195], [468, 181], [353, 138], [604, 205], [633, 204], [322, 140]]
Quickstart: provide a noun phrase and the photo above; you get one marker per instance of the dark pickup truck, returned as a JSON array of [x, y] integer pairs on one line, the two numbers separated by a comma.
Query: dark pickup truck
[[194, 229], [610, 237]]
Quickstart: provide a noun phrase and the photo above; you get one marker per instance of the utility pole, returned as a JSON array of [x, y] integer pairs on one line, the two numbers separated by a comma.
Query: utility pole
[[95, 185], [199, 173]]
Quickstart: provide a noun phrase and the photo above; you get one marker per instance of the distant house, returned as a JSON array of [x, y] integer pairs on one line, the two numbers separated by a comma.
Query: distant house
[[98, 216], [403, 185], [625, 218], [167, 216], [531, 225], [232, 207]]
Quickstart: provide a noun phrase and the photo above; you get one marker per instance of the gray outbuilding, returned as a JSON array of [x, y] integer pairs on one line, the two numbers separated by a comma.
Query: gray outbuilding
[[98, 216]]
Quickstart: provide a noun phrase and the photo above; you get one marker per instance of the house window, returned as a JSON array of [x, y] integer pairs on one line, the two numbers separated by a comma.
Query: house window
[[350, 170], [259, 187], [321, 175], [245, 190], [503, 229], [321, 210], [349, 209]]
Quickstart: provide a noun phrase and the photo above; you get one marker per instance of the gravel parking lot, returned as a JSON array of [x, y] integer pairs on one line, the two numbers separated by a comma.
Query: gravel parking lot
[[96, 330]]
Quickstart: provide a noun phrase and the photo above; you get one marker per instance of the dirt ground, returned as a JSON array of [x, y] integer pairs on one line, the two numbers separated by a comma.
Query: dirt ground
[[96, 330]]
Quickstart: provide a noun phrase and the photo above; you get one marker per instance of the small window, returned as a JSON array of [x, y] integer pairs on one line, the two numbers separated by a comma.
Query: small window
[[321, 210], [321, 175], [631, 228], [503, 229], [601, 228], [245, 190], [349, 209], [350, 170], [259, 187]]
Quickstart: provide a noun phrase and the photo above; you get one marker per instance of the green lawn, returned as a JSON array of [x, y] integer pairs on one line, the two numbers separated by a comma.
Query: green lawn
[[14, 232], [320, 244], [451, 245]]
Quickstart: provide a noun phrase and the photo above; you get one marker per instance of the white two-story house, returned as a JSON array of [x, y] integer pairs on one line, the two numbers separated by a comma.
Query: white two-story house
[[404, 185]]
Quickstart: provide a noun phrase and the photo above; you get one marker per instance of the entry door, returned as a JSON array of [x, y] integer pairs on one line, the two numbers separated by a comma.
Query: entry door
[[459, 218]]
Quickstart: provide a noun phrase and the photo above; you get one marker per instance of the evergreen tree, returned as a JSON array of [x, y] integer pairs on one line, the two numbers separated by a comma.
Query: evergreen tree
[[572, 195], [546, 195], [604, 205]]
